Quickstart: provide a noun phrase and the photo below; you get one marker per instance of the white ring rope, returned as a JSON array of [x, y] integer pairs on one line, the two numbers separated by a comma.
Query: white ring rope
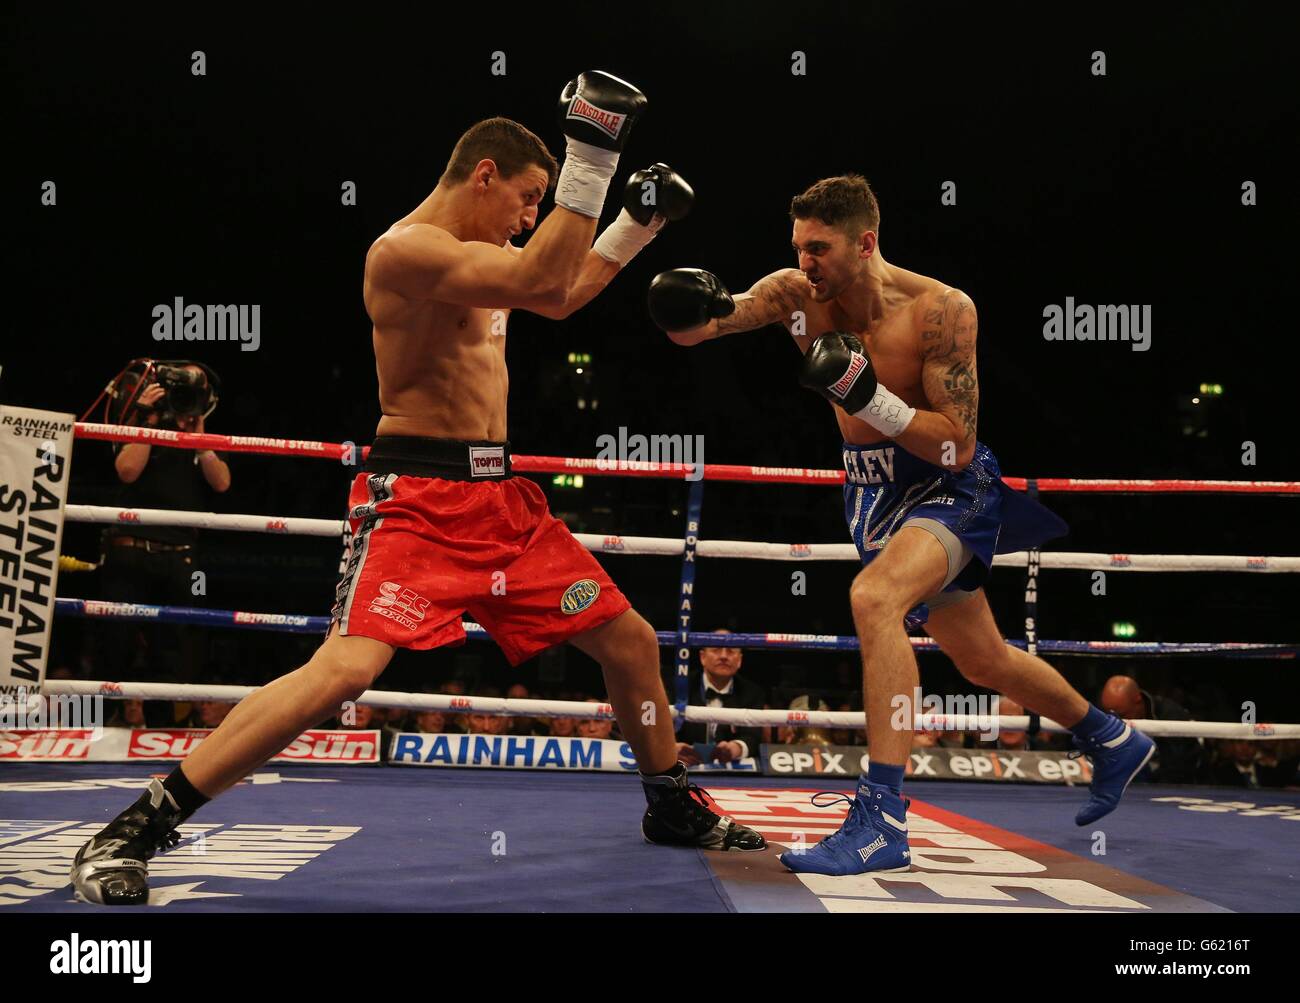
[[668, 547], [673, 547], [498, 706], [128, 517]]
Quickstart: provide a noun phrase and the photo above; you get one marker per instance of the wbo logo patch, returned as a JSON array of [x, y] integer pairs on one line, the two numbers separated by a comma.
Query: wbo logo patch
[[579, 596]]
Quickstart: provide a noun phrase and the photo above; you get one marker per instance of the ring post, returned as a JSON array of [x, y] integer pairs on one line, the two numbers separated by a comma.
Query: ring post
[[1031, 583], [694, 503]]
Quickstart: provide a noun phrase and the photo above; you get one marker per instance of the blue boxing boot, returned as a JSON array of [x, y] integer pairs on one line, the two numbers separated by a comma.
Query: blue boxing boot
[[1118, 753], [872, 838]]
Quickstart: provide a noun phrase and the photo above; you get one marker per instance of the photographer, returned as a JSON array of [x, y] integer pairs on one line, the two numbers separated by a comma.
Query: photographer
[[155, 564], [133, 457]]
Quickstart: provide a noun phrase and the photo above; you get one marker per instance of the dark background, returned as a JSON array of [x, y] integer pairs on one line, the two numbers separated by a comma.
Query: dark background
[[1117, 189]]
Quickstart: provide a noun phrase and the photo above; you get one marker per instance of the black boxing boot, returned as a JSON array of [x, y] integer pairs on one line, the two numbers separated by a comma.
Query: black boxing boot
[[111, 869], [679, 816]]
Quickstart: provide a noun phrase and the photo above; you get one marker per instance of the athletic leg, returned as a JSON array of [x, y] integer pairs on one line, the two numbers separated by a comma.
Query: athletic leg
[[968, 634], [628, 653], [271, 717], [111, 869], [912, 566]]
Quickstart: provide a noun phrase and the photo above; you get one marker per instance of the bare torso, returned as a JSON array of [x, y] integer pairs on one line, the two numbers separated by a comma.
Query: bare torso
[[893, 341], [442, 367]]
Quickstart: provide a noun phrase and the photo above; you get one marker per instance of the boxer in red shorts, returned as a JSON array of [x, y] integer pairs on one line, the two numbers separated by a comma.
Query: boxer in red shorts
[[433, 538], [440, 526]]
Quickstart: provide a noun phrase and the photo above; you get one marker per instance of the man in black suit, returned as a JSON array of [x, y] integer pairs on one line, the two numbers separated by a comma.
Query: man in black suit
[[719, 685]]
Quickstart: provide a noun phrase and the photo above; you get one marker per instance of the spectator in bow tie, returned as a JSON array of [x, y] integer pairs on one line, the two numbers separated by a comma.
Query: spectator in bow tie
[[718, 684]]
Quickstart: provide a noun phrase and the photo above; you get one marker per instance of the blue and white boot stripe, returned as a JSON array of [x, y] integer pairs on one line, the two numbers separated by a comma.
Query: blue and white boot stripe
[[1119, 739]]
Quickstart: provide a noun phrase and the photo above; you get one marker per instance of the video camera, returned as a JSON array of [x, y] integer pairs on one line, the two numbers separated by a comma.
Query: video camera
[[190, 390]]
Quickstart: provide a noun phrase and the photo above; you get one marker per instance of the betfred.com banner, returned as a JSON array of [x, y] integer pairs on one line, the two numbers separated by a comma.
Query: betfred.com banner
[[131, 745], [1006, 765], [35, 468]]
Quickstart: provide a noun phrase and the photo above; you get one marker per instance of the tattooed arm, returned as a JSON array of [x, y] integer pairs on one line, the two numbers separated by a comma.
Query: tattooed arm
[[945, 434], [770, 300]]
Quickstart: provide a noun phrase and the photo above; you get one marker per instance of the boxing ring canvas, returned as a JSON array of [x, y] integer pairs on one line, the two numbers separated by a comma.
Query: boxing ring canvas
[[385, 840]]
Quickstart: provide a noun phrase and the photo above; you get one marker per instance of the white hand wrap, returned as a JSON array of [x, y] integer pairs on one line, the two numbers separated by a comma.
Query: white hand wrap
[[887, 413], [584, 178], [625, 237]]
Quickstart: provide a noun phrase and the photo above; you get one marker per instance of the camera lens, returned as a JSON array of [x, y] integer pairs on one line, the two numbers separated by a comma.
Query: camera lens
[[188, 393], [186, 400]]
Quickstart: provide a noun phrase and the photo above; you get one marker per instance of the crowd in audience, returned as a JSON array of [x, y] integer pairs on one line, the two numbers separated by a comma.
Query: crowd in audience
[[718, 681]]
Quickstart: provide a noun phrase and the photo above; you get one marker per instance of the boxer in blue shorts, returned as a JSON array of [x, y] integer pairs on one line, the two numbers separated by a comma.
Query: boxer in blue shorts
[[894, 353], [970, 512]]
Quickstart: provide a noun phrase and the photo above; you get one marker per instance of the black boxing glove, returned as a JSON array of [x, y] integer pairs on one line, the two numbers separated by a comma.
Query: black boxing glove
[[600, 109], [838, 367], [650, 198], [657, 189], [687, 297], [597, 112]]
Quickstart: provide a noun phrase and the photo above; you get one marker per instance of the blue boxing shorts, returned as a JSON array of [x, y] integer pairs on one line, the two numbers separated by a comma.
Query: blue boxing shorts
[[969, 511]]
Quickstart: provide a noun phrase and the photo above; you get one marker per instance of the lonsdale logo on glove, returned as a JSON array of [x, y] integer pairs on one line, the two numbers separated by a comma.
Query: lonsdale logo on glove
[[607, 122], [844, 384], [856, 390]]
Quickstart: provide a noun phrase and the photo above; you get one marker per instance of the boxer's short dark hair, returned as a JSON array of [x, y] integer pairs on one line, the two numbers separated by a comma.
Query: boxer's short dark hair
[[505, 142], [846, 201]]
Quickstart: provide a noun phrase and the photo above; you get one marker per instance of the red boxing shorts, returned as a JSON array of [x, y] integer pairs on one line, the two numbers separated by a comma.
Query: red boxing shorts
[[466, 537]]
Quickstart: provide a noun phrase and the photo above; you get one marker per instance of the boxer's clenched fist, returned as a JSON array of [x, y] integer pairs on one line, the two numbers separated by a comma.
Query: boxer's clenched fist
[[838, 367], [686, 298], [657, 189], [650, 198]]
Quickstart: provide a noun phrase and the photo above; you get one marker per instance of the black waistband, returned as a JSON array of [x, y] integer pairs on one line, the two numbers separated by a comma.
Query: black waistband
[[450, 459]]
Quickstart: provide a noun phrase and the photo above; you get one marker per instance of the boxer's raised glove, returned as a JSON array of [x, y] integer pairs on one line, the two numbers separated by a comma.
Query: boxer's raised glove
[[597, 112], [687, 297], [838, 367], [650, 197], [600, 109]]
